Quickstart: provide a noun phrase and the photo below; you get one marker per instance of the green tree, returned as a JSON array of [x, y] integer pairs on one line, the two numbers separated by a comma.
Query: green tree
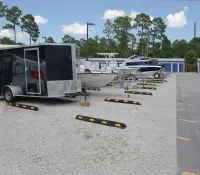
[[166, 50], [191, 45], [157, 30], [68, 39], [122, 29], [190, 59], [6, 40], [142, 23], [13, 16], [180, 48], [133, 41], [19, 43], [108, 31], [29, 26], [141, 46], [50, 40], [3, 9]]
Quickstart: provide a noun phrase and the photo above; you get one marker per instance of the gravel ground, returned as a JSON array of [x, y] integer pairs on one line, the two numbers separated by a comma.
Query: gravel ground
[[52, 142]]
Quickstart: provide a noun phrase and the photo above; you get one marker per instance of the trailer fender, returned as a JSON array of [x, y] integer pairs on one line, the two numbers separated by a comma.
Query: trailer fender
[[16, 90]]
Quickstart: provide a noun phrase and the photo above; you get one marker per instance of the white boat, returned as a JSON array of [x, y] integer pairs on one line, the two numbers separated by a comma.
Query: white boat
[[96, 79], [132, 65], [126, 70], [93, 78], [142, 66]]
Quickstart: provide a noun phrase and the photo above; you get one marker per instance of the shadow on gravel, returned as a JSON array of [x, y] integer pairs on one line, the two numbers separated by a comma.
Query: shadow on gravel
[[45, 101]]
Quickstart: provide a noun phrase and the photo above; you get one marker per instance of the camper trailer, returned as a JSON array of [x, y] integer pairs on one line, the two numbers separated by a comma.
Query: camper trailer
[[44, 70]]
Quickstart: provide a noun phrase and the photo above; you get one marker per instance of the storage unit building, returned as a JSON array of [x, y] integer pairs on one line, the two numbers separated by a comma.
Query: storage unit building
[[170, 64], [173, 64]]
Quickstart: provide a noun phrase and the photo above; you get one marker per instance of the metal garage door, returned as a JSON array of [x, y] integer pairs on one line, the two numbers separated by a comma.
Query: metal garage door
[[175, 67], [181, 67], [167, 67]]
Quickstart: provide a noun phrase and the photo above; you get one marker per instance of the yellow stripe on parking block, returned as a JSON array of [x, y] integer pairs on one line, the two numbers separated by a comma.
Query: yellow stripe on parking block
[[125, 101], [189, 173], [104, 122], [80, 117], [116, 100], [16, 105], [190, 121], [117, 125], [91, 119], [183, 138], [24, 106]]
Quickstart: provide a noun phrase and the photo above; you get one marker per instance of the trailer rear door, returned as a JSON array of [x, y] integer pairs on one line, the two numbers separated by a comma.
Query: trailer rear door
[[32, 73]]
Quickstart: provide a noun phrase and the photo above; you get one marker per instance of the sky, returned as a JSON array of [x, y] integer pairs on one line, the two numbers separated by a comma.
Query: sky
[[60, 17]]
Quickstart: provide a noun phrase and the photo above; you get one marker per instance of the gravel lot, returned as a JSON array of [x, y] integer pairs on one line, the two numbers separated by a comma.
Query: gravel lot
[[52, 142]]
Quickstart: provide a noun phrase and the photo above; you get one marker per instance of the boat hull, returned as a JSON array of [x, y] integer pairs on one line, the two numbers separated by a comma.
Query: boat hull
[[126, 70], [96, 80]]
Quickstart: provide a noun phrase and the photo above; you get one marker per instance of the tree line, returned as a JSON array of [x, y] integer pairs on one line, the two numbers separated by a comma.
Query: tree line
[[15, 19], [141, 36]]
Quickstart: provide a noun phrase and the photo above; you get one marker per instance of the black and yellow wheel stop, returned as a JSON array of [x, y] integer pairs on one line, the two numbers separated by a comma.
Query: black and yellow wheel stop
[[101, 121], [158, 82], [112, 84], [146, 84], [122, 101], [33, 108], [151, 88], [139, 93], [93, 89]]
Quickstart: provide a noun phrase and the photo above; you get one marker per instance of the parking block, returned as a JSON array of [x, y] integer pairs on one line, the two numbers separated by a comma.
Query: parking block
[[101, 121]]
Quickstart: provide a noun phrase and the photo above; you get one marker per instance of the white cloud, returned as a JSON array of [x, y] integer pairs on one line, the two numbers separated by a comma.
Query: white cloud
[[75, 28], [151, 18], [5, 33], [177, 20], [110, 14], [133, 14], [40, 20], [20, 35]]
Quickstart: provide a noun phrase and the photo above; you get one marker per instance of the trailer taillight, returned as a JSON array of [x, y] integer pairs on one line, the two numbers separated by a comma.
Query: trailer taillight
[[34, 74]]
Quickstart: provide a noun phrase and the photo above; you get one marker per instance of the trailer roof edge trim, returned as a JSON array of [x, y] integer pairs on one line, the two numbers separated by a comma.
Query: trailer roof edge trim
[[35, 45]]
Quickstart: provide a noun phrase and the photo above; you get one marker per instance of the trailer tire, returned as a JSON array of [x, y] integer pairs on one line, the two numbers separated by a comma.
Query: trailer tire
[[156, 75], [88, 71], [8, 95]]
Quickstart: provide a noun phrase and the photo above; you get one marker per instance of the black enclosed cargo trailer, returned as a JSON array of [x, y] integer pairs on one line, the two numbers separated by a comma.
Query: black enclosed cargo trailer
[[44, 70]]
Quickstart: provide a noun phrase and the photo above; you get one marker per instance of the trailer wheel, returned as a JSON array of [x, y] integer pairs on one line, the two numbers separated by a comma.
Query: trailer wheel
[[88, 71], [156, 75], [8, 95]]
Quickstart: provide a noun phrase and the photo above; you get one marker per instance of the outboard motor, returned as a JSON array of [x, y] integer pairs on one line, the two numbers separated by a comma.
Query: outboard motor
[[162, 65], [153, 62]]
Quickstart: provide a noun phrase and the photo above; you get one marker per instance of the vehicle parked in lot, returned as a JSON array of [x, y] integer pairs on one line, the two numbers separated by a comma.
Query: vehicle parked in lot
[[44, 70]]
